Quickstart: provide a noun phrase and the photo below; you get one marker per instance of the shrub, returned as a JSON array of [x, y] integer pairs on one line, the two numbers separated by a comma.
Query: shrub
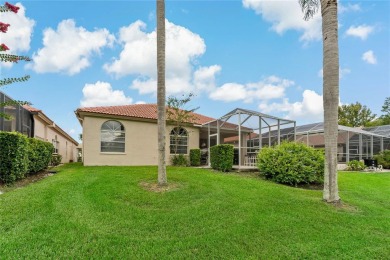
[[179, 160], [292, 163], [195, 157], [383, 159], [13, 156], [39, 155], [355, 165], [56, 159], [221, 157]]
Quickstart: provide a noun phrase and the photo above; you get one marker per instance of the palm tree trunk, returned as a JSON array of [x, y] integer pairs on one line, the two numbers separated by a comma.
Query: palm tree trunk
[[161, 122], [330, 96]]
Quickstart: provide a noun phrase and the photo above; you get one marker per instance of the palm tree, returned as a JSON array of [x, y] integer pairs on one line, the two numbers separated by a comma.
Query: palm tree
[[330, 88], [160, 9]]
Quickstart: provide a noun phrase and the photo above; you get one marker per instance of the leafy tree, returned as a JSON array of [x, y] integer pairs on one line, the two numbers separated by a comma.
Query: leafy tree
[[330, 88], [355, 115], [178, 115], [386, 110], [7, 7], [162, 174]]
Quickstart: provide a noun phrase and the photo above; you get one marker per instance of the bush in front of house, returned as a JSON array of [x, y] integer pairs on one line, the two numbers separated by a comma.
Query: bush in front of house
[[355, 165], [56, 159], [292, 163], [13, 156], [39, 155], [179, 160], [221, 157], [20, 155], [195, 157], [383, 159]]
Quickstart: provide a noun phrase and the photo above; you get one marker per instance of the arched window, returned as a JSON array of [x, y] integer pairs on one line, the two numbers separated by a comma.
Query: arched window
[[178, 141], [112, 137]]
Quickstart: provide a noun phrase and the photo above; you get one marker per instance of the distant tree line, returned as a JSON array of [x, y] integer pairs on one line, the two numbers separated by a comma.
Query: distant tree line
[[358, 115]]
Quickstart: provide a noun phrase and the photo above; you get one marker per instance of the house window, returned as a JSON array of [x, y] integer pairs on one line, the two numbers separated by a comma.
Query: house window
[[56, 145], [112, 137], [178, 141]]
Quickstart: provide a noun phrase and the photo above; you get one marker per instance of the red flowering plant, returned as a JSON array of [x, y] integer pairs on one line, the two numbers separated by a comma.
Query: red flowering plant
[[5, 57]]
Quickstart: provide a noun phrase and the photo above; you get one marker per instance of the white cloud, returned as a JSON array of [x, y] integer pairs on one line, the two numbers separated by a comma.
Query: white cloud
[[310, 109], [69, 48], [348, 7], [204, 78], [269, 88], [342, 72], [18, 36], [102, 94], [287, 15], [369, 57], [361, 31], [229, 92], [138, 57]]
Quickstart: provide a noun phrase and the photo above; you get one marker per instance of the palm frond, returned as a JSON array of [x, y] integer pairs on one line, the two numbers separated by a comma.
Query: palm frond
[[309, 8]]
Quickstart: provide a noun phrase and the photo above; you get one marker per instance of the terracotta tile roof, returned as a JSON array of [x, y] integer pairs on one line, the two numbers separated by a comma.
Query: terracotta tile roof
[[31, 109], [233, 139], [147, 111]]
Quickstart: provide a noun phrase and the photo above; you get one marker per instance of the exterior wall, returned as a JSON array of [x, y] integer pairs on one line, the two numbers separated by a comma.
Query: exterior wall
[[66, 148], [40, 129], [140, 143]]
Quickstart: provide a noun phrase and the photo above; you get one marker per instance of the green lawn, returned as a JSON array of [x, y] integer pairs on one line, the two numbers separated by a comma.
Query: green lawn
[[103, 212]]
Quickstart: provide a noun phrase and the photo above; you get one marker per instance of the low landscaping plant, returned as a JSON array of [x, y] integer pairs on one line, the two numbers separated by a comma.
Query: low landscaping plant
[[292, 163], [195, 157], [383, 159], [221, 157], [179, 160], [56, 159], [355, 165]]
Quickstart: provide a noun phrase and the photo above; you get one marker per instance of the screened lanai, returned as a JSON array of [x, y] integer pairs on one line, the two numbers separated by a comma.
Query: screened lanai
[[247, 130], [353, 143]]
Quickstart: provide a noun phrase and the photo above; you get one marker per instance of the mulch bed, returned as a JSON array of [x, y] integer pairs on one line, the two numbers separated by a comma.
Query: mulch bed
[[26, 181]]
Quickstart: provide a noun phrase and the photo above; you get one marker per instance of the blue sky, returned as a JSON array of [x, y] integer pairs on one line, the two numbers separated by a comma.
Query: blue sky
[[254, 54]]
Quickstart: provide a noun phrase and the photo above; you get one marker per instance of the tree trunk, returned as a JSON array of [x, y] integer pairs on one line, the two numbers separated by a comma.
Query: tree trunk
[[161, 122], [330, 96]]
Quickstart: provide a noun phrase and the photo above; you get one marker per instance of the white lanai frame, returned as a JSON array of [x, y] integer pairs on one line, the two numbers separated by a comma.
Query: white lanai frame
[[238, 127], [304, 132]]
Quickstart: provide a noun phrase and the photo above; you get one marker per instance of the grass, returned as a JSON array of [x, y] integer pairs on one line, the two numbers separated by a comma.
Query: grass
[[105, 212]]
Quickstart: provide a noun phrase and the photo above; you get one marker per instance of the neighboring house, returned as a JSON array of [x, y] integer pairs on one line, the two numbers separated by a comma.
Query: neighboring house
[[33, 122], [46, 129], [127, 135]]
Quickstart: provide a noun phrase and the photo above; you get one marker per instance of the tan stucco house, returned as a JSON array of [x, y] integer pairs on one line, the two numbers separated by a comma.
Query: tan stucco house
[[127, 135], [47, 130]]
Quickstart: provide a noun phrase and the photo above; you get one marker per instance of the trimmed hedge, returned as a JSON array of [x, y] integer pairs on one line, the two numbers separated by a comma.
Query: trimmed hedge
[[39, 154], [20, 155], [292, 163], [13, 156], [195, 157], [221, 157], [383, 159]]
